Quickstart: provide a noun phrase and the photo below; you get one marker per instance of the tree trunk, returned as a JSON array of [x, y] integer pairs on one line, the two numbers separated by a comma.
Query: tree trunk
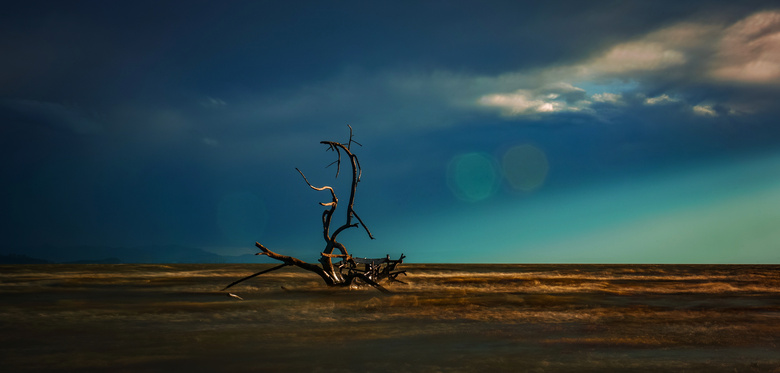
[[346, 271]]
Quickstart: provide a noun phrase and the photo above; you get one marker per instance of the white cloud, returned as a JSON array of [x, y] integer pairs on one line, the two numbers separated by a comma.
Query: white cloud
[[552, 98], [750, 50], [705, 111], [664, 49], [627, 62], [521, 102], [660, 100], [638, 56], [747, 51], [612, 98]]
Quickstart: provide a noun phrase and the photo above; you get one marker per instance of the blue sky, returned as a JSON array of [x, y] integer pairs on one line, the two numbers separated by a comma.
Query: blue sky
[[596, 132]]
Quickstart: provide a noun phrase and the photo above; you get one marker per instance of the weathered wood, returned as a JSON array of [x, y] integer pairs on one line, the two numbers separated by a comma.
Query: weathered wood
[[255, 275], [345, 272]]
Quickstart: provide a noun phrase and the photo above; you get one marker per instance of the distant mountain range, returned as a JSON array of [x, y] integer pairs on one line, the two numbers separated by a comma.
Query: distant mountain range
[[111, 255]]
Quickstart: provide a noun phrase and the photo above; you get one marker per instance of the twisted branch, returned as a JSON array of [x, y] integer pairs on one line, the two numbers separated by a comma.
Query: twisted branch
[[326, 269], [255, 275]]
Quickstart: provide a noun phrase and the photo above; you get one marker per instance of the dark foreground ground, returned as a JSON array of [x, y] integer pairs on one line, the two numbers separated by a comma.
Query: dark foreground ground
[[448, 318]]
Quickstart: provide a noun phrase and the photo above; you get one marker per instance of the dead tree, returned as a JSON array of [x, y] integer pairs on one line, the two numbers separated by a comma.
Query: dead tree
[[348, 270]]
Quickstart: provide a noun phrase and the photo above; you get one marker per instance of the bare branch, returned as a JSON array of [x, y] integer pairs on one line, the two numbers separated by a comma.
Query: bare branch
[[346, 256], [367, 280], [338, 162], [327, 214], [349, 143], [363, 224], [359, 169], [342, 228], [316, 188], [255, 275], [289, 260], [335, 146], [348, 269]]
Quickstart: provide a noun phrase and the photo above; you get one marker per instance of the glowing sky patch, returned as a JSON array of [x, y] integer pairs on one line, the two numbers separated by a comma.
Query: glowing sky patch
[[715, 214], [735, 230]]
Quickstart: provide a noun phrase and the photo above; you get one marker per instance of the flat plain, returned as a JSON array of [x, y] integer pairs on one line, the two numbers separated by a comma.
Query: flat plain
[[446, 318]]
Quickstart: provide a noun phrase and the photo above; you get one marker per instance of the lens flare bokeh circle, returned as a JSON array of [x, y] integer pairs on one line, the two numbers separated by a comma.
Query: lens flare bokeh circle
[[525, 167], [473, 177]]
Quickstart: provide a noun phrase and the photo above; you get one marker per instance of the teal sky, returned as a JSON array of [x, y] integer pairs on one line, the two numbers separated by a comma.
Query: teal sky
[[502, 131], [719, 213]]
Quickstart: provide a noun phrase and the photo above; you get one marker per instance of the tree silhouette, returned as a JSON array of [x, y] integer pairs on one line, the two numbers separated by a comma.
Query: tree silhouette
[[348, 270]]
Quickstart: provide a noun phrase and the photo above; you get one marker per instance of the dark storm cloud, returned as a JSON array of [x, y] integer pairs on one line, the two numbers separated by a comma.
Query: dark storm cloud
[[170, 55], [152, 122], [49, 114], [141, 47]]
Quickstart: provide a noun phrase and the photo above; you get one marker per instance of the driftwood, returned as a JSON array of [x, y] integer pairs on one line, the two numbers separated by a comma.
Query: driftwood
[[348, 271]]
